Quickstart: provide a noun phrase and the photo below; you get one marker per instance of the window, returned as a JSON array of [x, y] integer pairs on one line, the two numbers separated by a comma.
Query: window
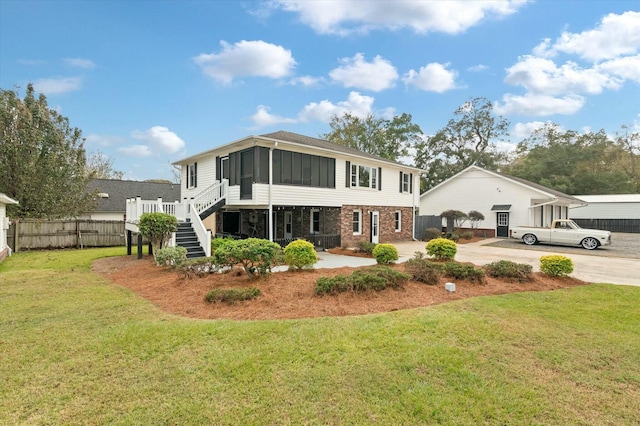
[[357, 222], [315, 221], [224, 165], [398, 220], [405, 182], [192, 175], [294, 168], [364, 176]]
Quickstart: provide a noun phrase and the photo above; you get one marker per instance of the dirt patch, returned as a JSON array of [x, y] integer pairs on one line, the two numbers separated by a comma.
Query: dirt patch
[[291, 294]]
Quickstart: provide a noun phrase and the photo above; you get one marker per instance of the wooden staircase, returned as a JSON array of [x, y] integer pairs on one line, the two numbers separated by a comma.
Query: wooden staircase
[[186, 237]]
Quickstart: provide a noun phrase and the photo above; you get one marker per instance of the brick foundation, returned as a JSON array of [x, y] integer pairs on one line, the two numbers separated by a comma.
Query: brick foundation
[[387, 232]]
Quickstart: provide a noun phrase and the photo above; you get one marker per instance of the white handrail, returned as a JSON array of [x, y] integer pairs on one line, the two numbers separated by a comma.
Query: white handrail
[[204, 236], [210, 196]]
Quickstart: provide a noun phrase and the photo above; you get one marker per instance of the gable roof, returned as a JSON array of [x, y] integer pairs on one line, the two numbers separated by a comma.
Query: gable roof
[[298, 139], [552, 193], [610, 198], [114, 193]]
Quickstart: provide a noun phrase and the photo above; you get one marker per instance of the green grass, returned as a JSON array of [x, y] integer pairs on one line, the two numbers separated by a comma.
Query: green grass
[[76, 349]]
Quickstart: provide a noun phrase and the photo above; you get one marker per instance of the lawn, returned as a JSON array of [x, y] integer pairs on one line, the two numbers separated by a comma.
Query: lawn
[[76, 349]]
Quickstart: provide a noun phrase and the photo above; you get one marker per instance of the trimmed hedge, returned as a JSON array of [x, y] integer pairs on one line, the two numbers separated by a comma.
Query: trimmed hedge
[[519, 272], [300, 254], [385, 253], [232, 295], [442, 248], [423, 270], [374, 278], [171, 256], [464, 271], [257, 256], [365, 247], [556, 265]]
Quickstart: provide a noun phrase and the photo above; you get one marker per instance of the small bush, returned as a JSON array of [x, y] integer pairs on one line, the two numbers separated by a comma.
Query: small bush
[[385, 253], [556, 265], [198, 267], [519, 272], [463, 271], [431, 233], [300, 254], [365, 247], [442, 248], [257, 256], [423, 270], [171, 256], [219, 242], [375, 278], [232, 295], [466, 235]]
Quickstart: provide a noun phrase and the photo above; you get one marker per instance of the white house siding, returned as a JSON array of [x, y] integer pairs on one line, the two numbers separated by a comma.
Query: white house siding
[[3, 231], [480, 191], [206, 176]]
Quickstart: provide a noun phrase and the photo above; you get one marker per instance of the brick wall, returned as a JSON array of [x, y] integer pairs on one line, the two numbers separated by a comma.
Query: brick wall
[[387, 232]]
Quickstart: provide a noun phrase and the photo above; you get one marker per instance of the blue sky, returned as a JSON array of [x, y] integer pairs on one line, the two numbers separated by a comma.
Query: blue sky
[[151, 82]]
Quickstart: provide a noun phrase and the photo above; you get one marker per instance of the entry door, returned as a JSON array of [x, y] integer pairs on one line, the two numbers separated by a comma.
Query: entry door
[[502, 221], [288, 225], [375, 227]]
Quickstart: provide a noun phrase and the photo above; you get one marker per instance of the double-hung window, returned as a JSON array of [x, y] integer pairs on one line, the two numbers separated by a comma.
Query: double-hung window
[[364, 176], [192, 175], [357, 222], [314, 225], [398, 220]]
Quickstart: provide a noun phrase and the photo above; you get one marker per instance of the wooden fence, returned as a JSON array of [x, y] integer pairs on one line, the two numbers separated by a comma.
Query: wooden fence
[[424, 222], [28, 234]]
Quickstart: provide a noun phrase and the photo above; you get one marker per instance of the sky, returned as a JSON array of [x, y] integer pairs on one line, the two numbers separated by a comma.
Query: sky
[[152, 82]]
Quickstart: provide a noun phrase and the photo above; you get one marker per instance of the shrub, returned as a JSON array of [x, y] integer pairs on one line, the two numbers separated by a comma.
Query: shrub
[[475, 217], [198, 267], [257, 256], [464, 271], [442, 248], [374, 278], [365, 247], [423, 270], [466, 235], [218, 242], [385, 253], [520, 272], [300, 254], [556, 265], [431, 233], [157, 228], [171, 256], [232, 295]]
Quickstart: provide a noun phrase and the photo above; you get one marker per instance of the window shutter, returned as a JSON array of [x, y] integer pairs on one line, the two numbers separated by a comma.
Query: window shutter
[[411, 183], [195, 175], [218, 171], [347, 177], [400, 181], [379, 178], [186, 180]]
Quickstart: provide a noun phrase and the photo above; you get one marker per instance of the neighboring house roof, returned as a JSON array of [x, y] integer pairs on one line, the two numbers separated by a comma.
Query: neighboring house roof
[[113, 193], [298, 139], [5, 199], [611, 198], [552, 193]]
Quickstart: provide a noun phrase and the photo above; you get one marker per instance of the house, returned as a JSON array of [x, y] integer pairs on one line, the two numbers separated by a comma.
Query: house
[[5, 250], [283, 186], [614, 212], [113, 193], [503, 200]]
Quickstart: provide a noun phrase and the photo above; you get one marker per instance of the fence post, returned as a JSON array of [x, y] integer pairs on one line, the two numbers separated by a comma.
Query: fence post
[[160, 209], [15, 236]]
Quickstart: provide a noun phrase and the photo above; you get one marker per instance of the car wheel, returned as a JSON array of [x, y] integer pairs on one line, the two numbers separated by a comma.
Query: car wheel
[[529, 239], [590, 243]]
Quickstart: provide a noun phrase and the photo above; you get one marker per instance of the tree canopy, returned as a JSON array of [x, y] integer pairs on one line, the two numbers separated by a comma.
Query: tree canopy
[[42, 159], [470, 137], [390, 139]]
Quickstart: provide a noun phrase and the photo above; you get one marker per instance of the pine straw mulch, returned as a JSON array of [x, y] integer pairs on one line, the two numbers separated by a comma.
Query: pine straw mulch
[[291, 294]]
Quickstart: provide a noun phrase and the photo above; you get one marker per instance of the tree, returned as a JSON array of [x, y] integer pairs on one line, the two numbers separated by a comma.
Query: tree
[[100, 166], [390, 139], [577, 163], [42, 159], [469, 138], [475, 217], [455, 219], [157, 228]]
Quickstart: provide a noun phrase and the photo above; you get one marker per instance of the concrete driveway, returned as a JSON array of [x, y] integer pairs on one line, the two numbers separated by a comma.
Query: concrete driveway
[[587, 267]]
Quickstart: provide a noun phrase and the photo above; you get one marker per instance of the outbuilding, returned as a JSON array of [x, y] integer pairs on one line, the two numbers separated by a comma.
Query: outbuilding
[[614, 212], [503, 200]]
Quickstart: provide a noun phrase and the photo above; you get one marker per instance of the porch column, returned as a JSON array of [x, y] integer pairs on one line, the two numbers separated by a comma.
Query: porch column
[[270, 213]]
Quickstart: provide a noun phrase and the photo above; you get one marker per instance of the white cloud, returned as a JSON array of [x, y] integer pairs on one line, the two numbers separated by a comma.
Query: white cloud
[[246, 58], [478, 68], [543, 76], [357, 72], [306, 81], [262, 117], [30, 62], [615, 36], [627, 67], [524, 130], [80, 63], [433, 77], [539, 105], [57, 85], [345, 17], [136, 151], [104, 140], [356, 104], [159, 138]]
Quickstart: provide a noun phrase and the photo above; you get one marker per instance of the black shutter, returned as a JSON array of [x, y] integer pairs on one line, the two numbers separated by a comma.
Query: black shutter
[[411, 183], [218, 171], [195, 174], [347, 178], [379, 178], [400, 181], [186, 181]]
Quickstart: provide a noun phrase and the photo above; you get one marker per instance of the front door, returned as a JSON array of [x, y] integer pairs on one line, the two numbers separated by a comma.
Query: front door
[[502, 220], [288, 225], [375, 227]]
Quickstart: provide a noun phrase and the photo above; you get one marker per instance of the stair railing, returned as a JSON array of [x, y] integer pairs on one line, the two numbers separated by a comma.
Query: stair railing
[[204, 236], [210, 196]]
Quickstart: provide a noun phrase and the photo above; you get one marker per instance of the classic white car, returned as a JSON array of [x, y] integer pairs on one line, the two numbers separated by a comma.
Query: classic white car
[[562, 231]]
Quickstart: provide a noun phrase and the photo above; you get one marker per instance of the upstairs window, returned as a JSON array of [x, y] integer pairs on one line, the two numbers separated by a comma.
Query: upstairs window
[[192, 175], [406, 182], [364, 176]]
